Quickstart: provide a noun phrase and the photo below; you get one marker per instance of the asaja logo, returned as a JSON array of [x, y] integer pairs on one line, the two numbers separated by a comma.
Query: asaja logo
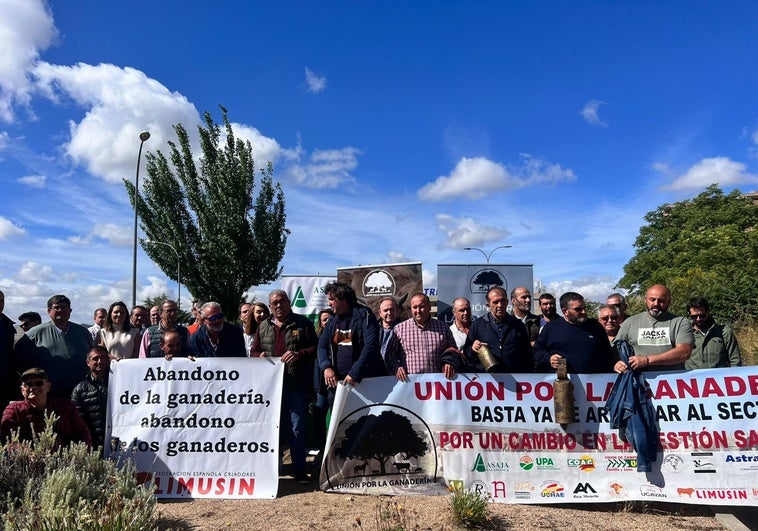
[[480, 465], [298, 301], [378, 283], [584, 463], [526, 463]]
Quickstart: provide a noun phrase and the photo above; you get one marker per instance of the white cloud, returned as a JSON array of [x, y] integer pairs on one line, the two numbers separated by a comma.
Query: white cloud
[[316, 83], [265, 149], [9, 230], [720, 170], [35, 272], [475, 178], [590, 113], [472, 178], [121, 103], [35, 181], [117, 235], [466, 232], [397, 257], [26, 28], [592, 288], [323, 168]]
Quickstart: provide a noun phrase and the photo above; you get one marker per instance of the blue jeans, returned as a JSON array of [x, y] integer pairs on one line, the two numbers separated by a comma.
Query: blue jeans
[[294, 410]]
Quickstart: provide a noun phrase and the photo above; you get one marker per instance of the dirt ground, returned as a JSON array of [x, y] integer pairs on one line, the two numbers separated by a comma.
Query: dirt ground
[[304, 508]]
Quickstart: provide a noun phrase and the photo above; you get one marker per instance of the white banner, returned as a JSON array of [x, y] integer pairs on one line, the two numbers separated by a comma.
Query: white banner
[[496, 434], [307, 293], [207, 428]]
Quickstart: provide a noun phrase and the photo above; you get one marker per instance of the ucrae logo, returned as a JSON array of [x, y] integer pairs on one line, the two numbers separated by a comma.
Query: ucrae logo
[[552, 489]]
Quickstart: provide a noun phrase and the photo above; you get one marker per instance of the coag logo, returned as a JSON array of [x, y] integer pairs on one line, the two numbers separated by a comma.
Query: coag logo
[[584, 463], [526, 463]]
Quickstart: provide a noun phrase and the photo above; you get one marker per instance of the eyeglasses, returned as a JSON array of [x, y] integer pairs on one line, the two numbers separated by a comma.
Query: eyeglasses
[[35, 383], [696, 316], [608, 318], [214, 318]]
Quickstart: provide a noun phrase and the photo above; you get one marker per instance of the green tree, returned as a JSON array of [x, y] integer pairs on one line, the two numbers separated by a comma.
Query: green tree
[[706, 246], [227, 239]]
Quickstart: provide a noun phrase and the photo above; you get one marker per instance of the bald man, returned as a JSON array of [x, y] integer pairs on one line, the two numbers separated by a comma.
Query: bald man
[[661, 340]]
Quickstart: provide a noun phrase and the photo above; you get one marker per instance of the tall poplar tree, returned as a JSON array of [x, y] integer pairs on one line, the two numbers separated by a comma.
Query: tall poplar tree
[[227, 237]]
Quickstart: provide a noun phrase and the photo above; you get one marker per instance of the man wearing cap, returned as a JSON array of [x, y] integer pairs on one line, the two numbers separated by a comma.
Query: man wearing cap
[[27, 416], [59, 347]]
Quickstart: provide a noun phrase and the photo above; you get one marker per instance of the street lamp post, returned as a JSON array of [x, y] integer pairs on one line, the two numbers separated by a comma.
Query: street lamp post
[[178, 271], [143, 136], [487, 255]]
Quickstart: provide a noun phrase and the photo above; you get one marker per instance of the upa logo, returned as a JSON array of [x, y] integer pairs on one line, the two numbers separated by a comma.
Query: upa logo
[[378, 283], [584, 463], [526, 463]]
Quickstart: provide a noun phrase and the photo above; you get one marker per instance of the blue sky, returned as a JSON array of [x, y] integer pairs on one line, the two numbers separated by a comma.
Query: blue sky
[[398, 131]]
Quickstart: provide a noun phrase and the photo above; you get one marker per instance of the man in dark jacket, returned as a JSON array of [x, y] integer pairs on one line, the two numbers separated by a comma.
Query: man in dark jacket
[[348, 349], [504, 335], [292, 338], [90, 396], [581, 341], [8, 390], [216, 338]]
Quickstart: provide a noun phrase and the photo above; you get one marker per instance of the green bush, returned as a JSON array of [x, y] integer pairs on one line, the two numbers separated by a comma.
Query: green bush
[[470, 508], [69, 488]]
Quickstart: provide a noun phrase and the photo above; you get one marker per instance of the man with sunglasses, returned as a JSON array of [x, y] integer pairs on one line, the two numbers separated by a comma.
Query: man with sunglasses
[[151, 339], [27, 416], [579, 340], [215, 338], [609, 316], [715, 344]]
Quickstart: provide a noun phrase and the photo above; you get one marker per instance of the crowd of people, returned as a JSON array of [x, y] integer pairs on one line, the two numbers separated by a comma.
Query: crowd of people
[[64, 366]]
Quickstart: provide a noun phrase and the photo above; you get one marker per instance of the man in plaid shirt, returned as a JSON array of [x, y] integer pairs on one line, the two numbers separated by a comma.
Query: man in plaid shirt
[[419, 342]]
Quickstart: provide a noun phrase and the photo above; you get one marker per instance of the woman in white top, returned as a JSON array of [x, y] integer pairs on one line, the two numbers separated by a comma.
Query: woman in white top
[[118, 336]]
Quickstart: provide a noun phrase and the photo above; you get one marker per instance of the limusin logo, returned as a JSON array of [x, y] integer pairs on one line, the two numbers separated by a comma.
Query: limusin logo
[[480, 465], [378, 283], [584, 463]]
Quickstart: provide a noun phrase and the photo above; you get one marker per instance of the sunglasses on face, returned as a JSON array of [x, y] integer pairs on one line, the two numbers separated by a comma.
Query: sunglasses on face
[[34, 383], [214, 318], [609, 318]]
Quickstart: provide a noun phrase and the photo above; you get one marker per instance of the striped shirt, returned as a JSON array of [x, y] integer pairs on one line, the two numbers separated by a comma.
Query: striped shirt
[[418, 349]]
